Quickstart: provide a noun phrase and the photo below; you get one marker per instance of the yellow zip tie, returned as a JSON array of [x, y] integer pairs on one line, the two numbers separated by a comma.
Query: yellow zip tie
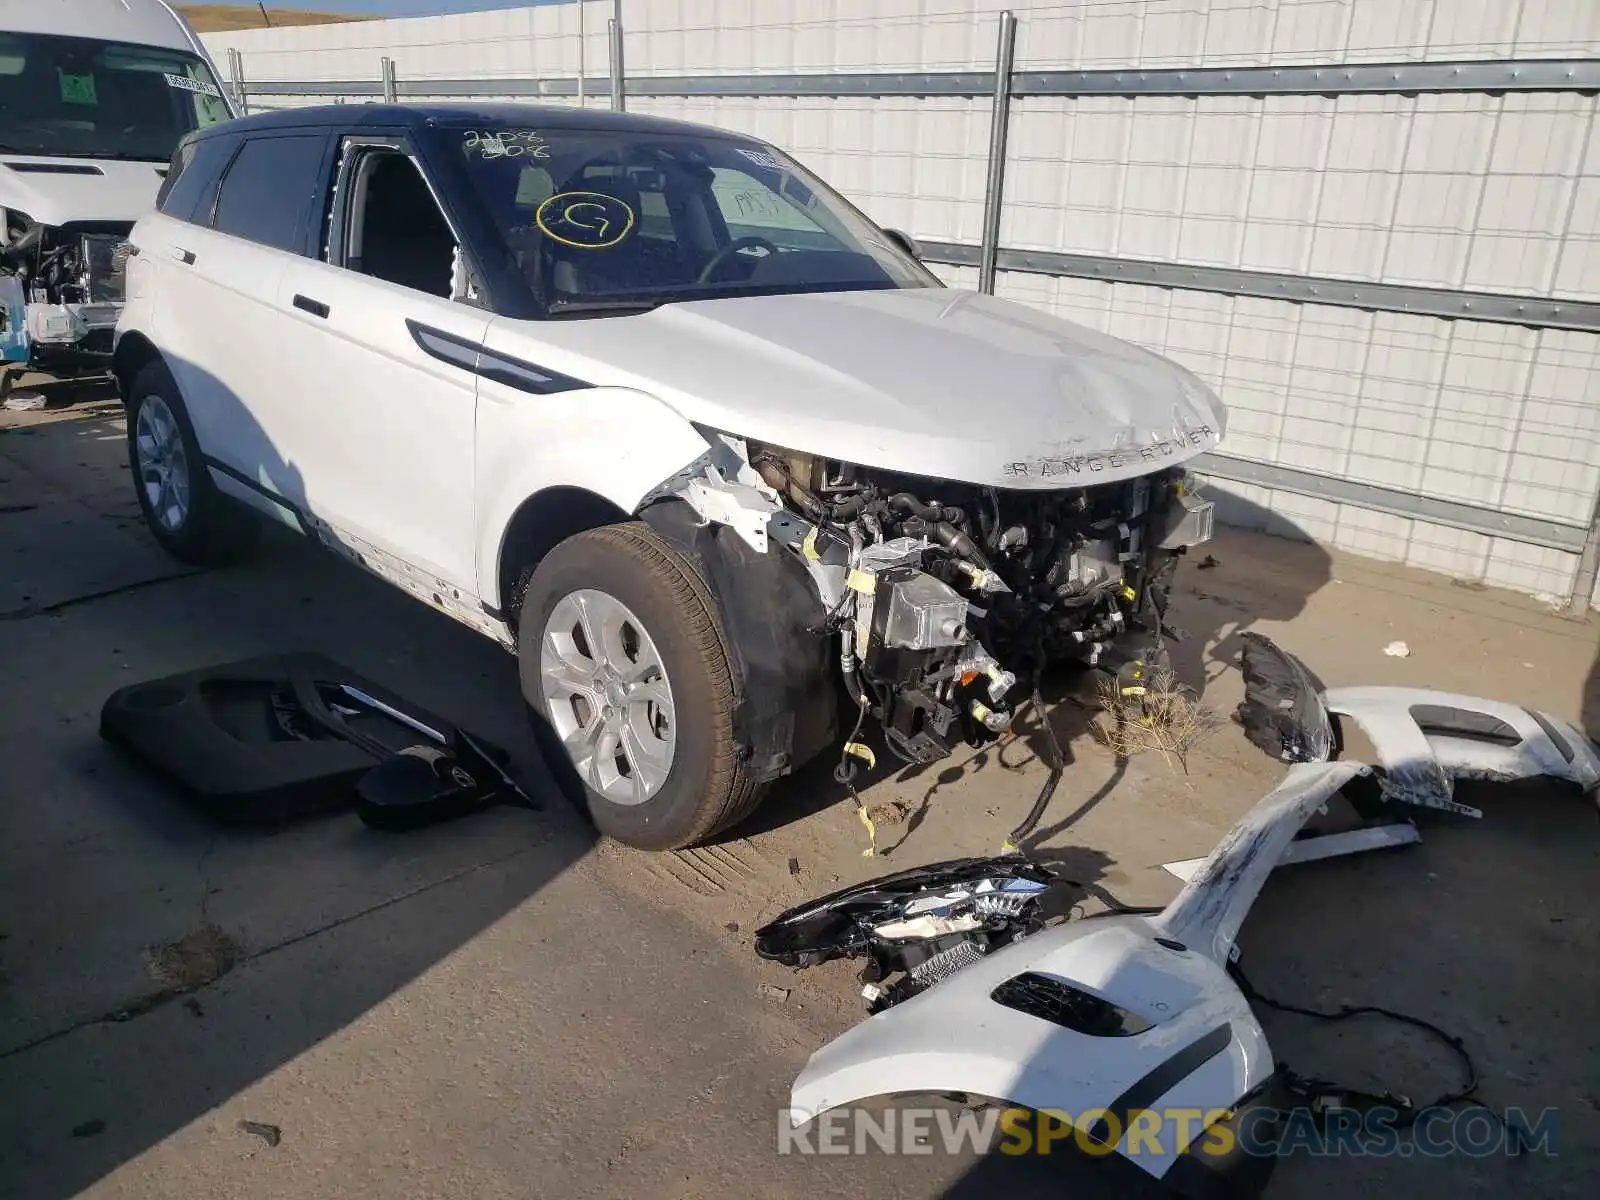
[[872, 831], [863, 752], [808, 547]]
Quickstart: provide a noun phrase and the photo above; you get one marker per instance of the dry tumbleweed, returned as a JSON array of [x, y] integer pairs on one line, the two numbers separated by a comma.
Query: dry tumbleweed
[[1152, 711]]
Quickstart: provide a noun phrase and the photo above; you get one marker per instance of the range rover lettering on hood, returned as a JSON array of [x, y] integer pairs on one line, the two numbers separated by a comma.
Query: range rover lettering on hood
[[1181, 445]]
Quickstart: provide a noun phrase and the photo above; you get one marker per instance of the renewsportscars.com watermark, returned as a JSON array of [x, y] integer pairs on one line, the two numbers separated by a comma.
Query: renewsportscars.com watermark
[[1329, 1132]]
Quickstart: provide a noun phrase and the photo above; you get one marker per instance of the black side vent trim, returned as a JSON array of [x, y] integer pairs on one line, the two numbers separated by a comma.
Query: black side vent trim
[[1145, 1091], [502, 368], [32, 168], [1060, 1003]]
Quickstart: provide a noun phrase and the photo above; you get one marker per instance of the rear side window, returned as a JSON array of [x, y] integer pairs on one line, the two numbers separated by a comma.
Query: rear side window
[[266, 191], [192, 179]]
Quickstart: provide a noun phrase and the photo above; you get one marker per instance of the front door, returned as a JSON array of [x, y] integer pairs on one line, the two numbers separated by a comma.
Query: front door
[[381, 365]]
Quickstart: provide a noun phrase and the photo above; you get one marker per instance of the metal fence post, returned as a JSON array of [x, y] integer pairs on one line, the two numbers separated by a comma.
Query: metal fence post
[[582, 52], [236, 77], [619, 102], [390, 92], [1588, 572], [999, 123]]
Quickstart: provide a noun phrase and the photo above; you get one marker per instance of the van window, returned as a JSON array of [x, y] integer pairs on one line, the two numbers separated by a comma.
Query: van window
[[268, 188], [83, 98]]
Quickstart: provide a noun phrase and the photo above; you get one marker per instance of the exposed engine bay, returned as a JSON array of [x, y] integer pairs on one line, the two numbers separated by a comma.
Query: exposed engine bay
[[946, 595], [61, 287]]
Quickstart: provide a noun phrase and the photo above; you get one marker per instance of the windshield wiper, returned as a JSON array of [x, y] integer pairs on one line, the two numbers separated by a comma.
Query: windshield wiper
[[618, 307]]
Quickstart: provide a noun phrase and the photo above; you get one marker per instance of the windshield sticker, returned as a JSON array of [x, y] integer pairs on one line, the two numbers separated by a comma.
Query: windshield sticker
[[761, 158], [198, 86], [76, 89], [507, 143], [586, 220]]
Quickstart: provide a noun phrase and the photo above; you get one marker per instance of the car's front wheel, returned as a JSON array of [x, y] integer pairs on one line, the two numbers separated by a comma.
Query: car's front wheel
[[625, 664], [183, 509]]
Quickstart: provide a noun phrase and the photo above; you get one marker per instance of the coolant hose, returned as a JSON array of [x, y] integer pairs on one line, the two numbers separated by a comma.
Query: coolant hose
[[958, 543], [907, 503], [14, 252]]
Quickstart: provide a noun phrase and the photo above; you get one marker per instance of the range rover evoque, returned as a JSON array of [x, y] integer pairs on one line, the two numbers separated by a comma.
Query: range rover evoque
[[654, 407]]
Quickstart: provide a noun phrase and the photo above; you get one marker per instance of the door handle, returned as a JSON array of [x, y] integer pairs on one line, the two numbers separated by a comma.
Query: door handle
[[186, 257], [306, 304]]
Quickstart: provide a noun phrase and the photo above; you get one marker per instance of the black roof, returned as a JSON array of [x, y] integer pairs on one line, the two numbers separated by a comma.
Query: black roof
[[496, 115]]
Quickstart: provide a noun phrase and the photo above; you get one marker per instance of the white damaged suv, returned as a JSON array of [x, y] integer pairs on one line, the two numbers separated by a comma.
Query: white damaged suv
[[655, 408]]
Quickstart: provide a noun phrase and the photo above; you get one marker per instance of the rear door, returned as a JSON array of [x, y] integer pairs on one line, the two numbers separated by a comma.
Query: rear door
[[377, 361], [221, 252]]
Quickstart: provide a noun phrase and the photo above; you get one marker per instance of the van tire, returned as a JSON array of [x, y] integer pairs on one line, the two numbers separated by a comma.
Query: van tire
[[707, 787]]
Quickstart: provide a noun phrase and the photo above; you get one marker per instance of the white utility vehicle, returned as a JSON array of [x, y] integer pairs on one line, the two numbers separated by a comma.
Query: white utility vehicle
[[651, 405], [94, 97]]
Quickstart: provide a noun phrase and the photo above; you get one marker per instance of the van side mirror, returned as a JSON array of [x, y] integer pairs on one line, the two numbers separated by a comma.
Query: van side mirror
[[906, 242]]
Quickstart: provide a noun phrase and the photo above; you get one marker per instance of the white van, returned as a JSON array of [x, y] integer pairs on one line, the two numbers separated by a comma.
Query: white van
[[94, 95]]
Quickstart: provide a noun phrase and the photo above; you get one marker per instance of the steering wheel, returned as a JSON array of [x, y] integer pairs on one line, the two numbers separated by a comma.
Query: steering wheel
[[728, 251]]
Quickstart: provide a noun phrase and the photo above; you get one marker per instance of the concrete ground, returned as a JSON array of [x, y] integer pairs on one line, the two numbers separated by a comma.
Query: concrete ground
[[505, 1006]]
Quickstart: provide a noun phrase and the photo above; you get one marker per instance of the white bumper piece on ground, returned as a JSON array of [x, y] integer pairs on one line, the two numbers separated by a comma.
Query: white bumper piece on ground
[[1425, 741], [1118, 1013]]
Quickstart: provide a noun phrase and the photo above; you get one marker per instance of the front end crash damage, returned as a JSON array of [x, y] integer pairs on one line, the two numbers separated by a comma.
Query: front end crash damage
[[943, 594], [63, 287], [1112, 1015]]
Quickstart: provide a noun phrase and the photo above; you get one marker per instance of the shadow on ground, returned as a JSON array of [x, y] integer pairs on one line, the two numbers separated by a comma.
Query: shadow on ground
[[118, 900]]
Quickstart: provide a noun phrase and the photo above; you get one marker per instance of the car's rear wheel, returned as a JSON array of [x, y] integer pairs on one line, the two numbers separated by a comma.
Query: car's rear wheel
[[183, 509], [626, 667]]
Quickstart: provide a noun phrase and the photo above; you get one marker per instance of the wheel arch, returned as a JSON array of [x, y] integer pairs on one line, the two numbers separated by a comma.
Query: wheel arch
[[133, 353], [539, 524], [776, 627]]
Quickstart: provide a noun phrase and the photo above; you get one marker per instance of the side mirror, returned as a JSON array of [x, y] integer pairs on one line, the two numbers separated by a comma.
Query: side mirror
[[906, 242]]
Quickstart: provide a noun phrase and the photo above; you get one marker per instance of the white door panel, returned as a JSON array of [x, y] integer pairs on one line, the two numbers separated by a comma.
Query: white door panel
[[217, 328], [382, 430]]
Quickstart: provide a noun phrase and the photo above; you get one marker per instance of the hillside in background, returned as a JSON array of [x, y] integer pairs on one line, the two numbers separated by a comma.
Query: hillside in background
[[213, 18]]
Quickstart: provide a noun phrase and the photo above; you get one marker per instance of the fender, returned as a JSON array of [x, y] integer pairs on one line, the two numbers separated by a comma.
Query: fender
[[617, 443], [787, 711]]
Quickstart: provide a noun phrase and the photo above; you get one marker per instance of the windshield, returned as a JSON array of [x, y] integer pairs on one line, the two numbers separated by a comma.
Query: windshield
[[607, 220], [81, 98]]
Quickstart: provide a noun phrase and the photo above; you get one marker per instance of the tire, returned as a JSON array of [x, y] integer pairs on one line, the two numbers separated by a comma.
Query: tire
[[186, 514], [656, 620]]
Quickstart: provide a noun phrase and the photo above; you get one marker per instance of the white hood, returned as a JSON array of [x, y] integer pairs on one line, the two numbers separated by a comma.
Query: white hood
[[935, 382], [117, 191]]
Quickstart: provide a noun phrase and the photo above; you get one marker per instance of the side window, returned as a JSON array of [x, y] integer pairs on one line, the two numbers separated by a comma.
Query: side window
[[266, 191], [394, 229], [192, 178]]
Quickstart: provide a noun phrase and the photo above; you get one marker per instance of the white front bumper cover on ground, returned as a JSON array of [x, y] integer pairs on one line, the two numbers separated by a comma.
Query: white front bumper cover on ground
[[1108, 1015]]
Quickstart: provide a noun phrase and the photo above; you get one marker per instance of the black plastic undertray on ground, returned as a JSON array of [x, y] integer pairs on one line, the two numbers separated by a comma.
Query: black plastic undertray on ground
[[264, 740]]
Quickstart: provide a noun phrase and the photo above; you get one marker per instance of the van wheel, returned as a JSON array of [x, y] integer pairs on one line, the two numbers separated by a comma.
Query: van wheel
[[193, 521], [627, 670]]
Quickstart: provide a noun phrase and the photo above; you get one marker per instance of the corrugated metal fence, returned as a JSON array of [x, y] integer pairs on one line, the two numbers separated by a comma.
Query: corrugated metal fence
[[1372, 225]]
